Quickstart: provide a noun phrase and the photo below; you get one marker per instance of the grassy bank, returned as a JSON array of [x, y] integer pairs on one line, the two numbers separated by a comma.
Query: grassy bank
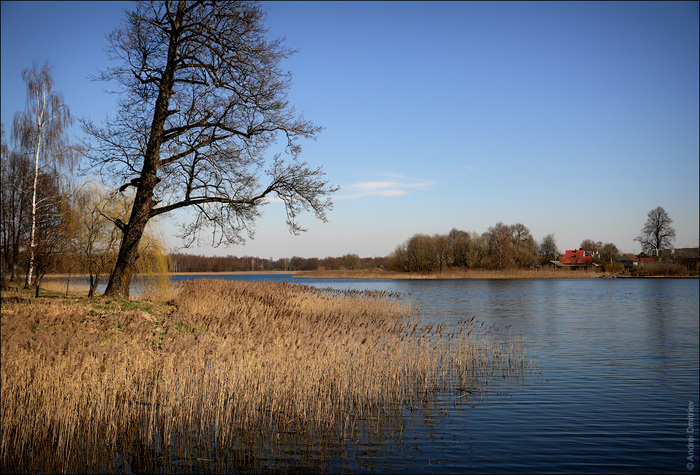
[[226, 374]]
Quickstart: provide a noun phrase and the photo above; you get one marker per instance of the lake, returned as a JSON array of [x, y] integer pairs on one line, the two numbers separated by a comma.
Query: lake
[[615, 390]]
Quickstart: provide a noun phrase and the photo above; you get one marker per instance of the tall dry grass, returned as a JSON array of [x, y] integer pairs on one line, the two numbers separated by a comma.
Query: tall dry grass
[[72, 286], [225, 376]]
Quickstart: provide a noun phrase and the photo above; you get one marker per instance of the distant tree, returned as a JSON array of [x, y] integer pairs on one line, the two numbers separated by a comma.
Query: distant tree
[[608, 253], [590, 245], [441, 245], [398, 260], [478, 254], [548, 250], [459, 242], [524, 247], [421, 254], [657, 232], [500, 242], [351, 261], [303, 263], [203, 98], [39, 129]]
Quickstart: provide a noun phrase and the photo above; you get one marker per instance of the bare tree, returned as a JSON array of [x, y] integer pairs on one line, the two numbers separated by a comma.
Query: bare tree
[[478, 253], [97, 244], [548, 250], [52, 234], [590, 245], [657, 232], [524, 247], [39, 130], [500, 243], [609, 253], [15, 181], [202, 99], [460, 243]]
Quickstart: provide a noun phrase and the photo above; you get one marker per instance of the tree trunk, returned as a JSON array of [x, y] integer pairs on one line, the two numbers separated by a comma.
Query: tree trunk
[[94, 280], [32, 243], [120, 280]]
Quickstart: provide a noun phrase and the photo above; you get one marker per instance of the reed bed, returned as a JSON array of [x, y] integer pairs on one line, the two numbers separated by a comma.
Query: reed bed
[[75, 286], [226, 375]]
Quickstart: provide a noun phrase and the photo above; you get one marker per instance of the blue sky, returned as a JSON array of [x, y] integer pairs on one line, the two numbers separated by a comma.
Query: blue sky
[[570, 118]]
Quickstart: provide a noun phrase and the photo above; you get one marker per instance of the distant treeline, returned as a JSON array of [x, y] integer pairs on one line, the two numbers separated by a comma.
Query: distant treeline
[[196, 263], [500, 247]]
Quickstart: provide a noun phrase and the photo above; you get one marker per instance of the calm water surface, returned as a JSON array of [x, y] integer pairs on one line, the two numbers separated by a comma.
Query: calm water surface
[[618, 368]]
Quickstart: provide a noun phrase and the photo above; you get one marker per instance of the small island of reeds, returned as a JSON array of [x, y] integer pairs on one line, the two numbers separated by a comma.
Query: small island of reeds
[[227, 376]]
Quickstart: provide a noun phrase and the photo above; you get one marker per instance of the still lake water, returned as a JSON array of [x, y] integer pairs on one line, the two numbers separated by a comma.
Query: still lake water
[[616, 389]]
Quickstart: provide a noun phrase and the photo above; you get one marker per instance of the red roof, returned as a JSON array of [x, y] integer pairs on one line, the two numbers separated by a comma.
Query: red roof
[[578, 256]]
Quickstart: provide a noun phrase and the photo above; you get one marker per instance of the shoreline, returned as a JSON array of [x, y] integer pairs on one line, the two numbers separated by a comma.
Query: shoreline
[[450, 274], [392, 275], [252, 272]]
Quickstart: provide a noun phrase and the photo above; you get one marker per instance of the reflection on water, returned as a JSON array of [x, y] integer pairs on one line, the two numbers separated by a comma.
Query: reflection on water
[[382, 440], [618, 362]]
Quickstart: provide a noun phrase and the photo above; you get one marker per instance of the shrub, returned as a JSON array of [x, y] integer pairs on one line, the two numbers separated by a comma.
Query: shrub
[[660, 269]]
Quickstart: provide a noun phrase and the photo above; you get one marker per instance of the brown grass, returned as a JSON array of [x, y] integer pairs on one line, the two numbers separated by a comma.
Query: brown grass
[[75, 287], [224, 374]]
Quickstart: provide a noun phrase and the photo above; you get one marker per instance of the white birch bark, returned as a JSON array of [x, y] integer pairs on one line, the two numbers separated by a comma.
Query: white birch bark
[[32, 239]]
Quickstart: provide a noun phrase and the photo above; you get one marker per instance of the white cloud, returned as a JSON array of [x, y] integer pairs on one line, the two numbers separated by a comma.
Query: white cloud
[[374, 185], [398, 187]]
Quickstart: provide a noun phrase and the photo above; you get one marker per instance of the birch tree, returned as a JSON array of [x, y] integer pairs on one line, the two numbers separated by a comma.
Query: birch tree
[[39, 129], [202, 99]]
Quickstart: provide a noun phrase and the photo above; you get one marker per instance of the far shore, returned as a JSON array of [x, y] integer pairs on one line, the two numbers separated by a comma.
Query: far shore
[[251, 272], [452, 274], [393, 275]]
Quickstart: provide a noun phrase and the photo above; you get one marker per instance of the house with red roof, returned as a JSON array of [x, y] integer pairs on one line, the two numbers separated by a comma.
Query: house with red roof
[[575, 259]]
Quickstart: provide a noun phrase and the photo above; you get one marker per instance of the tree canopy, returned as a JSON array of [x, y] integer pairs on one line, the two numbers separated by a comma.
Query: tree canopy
[[657, 232], [202, 97]]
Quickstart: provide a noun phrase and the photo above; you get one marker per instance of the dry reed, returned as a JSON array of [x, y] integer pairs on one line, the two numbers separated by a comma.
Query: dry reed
[[74, 286], [224, 376]]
